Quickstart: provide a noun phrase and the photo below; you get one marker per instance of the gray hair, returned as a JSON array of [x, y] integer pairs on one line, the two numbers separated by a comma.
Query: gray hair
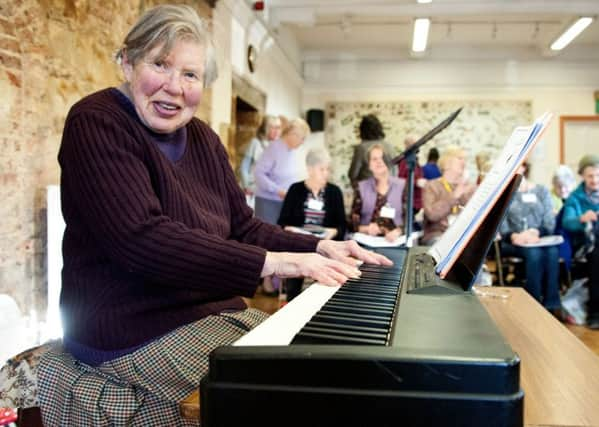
[[164, 26], [317, 156], [564, 174]]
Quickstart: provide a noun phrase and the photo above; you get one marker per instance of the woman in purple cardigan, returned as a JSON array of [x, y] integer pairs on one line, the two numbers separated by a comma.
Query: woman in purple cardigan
[[160, 244], [377, 208]]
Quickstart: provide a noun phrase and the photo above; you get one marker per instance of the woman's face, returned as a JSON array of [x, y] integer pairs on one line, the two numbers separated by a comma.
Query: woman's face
[[294, 139], [561, 189], [590, 175], [274, 130], [376, 162], [456, 164], [166, 93], [319, 173]]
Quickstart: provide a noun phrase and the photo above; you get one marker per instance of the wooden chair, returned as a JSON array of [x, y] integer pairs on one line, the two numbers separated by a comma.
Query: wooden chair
[[509, 269]]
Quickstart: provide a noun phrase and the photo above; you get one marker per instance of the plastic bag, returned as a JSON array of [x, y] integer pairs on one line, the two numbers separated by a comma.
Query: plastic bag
[[574, 302]]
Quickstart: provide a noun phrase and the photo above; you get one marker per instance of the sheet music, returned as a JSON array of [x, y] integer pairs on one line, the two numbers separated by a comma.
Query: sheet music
[[552, 240], [447, 249]]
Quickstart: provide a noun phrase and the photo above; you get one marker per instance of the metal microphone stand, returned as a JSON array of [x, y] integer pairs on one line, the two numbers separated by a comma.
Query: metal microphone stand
[[411, 160]]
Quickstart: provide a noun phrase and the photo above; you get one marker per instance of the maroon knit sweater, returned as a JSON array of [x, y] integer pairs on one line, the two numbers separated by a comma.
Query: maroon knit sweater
[[151, 245]]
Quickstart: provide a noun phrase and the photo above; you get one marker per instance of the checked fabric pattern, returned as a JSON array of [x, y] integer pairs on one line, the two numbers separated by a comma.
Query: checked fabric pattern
[[143, 388]]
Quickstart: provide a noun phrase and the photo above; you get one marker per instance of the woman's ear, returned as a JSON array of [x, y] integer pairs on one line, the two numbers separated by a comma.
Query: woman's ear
[[126, 66]]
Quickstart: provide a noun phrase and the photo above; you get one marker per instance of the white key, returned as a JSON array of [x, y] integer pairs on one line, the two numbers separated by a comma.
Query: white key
[[282, 326]]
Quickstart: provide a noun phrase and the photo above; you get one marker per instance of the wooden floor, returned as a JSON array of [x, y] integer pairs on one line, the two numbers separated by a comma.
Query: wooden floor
[[586, 335]]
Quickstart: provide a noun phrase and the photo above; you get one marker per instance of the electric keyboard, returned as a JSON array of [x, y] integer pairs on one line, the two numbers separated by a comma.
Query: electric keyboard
[[433, 358]]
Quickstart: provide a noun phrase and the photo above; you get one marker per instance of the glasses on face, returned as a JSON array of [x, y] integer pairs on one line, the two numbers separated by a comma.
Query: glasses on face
[[188, 77]]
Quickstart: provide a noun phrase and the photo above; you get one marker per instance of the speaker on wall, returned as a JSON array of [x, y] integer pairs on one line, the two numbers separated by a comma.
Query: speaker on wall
[[315, 119]]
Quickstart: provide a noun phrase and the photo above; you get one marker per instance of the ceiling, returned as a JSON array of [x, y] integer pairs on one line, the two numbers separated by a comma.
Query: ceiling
[[460, 29]]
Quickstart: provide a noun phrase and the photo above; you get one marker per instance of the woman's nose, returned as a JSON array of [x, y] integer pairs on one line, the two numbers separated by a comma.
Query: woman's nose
[[172, 83]]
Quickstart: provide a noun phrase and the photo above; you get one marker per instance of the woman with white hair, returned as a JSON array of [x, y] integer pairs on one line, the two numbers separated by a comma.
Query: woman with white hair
[[315, 204], [563, 182], [444, 197]]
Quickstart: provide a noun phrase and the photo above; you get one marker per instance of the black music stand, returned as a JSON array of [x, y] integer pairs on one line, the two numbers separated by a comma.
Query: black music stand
[[410, 155]]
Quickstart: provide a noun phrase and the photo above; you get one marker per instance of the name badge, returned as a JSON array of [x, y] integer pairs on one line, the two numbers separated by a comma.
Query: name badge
[[387, 212], [529, 198], [315, 205]]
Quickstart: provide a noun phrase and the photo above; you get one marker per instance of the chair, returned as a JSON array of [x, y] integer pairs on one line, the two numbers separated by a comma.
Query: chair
[[508, 269], [19, 387], [570, 267]]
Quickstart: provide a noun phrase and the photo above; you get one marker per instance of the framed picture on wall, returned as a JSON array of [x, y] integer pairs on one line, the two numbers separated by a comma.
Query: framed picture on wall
[[578, 135]]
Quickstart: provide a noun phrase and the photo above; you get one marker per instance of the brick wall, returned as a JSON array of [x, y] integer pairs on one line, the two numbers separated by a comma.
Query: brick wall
[[52, 53]]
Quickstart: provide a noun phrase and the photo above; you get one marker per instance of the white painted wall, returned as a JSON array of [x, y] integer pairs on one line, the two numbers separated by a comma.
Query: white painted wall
[[221, 88], [564, 88], [278, 70]]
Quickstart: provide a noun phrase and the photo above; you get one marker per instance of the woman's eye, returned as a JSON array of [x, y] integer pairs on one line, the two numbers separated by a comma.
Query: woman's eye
[[160, 65], [191, 76]]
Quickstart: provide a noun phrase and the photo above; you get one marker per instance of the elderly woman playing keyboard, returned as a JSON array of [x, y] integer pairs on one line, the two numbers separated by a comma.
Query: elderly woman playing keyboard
[[160, 244]]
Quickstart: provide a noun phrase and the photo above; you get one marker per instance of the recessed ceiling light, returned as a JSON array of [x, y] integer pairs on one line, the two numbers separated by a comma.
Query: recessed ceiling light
[[421, 27]]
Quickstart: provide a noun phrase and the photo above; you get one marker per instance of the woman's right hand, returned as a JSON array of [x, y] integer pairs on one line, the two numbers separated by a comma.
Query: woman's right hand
[[588, 216], [530, 235], [324, 270]]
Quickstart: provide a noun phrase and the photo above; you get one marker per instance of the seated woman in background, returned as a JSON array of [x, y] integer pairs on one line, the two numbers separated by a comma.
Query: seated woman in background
[[581, 211], [314, 203], [444, 197], [377, 206], [530, 216], [563, 183]]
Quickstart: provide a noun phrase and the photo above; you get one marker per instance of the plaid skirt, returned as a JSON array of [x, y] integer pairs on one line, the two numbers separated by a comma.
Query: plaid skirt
[[143, 388]]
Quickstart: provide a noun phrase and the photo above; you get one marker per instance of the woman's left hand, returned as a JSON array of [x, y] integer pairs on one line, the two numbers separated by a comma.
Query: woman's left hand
[[349, 252]]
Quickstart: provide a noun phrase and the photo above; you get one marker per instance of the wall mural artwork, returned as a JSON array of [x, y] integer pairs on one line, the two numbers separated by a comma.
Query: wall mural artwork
[[481, 126]]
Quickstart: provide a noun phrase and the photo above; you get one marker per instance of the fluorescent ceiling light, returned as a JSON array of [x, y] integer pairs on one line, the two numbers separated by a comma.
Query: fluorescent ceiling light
[[571, 33], [421, 26], [424, 1]]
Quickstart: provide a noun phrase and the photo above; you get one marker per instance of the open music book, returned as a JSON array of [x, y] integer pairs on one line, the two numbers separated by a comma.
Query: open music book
[[461, 234]]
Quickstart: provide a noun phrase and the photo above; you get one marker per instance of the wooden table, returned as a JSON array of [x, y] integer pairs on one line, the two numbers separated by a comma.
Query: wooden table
[[558, 373]]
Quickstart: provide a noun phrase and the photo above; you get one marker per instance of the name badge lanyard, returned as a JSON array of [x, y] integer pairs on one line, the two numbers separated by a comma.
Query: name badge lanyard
[[447, 186]]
